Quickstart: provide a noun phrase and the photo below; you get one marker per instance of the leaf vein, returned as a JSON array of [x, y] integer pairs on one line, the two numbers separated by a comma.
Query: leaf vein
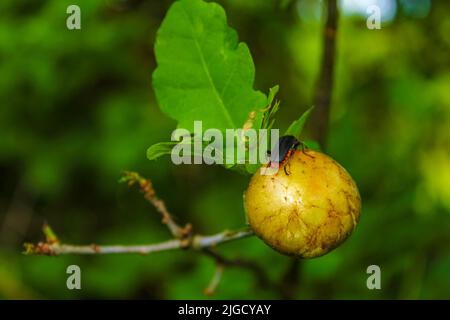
[[206, 70]]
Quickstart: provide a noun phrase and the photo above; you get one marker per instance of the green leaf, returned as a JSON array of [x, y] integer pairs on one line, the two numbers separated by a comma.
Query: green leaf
[[272, 93], [271, 110], [159, 149], [296, 127], [312, 144], [203, 72]]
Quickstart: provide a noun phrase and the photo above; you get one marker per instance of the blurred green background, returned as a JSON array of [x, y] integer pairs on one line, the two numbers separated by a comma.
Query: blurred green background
[[77, 108]]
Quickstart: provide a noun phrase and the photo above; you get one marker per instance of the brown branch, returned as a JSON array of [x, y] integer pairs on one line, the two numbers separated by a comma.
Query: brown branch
[[195, 242], [55, 249], [183, 238], [146, 188], [324, 86]]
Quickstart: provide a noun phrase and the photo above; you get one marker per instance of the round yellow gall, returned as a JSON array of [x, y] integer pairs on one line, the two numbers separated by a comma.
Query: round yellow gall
[[307, 212]]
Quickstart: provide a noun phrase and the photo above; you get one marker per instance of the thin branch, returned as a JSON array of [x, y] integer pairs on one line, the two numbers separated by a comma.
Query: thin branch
[[55, 249], [211, 289], [200, 242], [196, 242], [146, 188], [183, 238]]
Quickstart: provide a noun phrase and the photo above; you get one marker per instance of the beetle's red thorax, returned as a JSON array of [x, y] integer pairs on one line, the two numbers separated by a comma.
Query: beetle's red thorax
[[288, 155]]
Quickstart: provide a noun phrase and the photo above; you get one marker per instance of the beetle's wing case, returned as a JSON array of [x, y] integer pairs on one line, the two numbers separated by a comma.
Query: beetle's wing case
[[281, 149]]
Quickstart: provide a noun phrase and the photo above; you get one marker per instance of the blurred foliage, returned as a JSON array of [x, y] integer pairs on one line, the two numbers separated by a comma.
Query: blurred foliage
[[77, 108]]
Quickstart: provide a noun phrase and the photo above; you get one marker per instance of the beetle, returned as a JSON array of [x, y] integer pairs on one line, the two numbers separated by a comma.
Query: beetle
[[284, 150]]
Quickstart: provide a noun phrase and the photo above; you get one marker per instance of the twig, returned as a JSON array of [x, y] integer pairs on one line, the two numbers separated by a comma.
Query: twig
[[200, 242], [55, 249], [196, 242], [211, 289], [184, 238], [146, 187]]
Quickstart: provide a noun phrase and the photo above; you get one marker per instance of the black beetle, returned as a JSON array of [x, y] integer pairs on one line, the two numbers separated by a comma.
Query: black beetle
[[283, 151]]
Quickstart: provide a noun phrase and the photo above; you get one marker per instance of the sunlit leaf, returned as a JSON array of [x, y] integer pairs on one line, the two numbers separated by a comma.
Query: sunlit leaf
[[203, 72]]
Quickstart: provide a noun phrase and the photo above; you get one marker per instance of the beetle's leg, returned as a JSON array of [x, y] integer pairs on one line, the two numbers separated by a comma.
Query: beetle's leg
[[288, 166], [304, 150]]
